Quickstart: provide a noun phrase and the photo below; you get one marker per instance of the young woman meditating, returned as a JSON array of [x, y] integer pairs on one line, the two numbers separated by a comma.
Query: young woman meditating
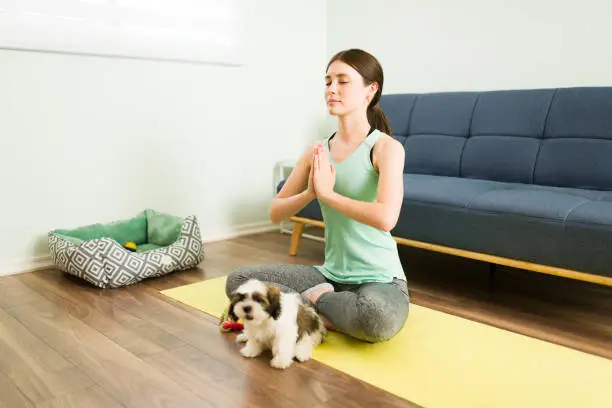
[[357, 176]]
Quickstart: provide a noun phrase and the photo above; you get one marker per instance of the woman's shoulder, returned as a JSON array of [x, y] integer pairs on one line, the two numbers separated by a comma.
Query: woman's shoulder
[[387, 148], [388, 143]]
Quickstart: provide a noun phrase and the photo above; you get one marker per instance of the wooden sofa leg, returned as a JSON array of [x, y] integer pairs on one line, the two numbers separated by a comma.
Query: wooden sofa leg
[[296, 236], [492, 274]]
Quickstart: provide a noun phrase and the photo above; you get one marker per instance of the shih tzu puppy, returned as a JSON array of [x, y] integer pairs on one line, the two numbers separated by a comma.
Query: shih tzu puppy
[[275, 321]]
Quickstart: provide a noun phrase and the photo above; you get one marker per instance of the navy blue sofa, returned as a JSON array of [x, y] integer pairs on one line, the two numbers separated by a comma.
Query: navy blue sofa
[[521, 178]]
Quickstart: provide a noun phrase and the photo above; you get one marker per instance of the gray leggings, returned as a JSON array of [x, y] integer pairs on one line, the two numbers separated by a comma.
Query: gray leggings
[[372, 312]]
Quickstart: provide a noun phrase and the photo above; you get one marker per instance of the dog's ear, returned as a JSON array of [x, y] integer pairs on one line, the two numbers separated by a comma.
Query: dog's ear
[[274, 301], [231, 313], [234, 298]]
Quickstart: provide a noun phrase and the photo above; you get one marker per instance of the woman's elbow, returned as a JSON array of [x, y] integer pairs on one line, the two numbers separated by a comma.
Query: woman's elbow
[[388, 223], [388, 227], [274, 213], [274, 218]]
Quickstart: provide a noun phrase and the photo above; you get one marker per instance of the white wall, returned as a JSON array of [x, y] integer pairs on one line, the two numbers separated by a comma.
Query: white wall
[[90, 139], [444, 45]]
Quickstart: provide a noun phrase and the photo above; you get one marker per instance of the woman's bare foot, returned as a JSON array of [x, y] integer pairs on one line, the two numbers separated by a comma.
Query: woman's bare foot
[[315, 292], [326, 323]]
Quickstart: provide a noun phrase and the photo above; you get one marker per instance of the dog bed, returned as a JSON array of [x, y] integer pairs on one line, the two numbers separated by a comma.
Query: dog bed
[[97, 254]]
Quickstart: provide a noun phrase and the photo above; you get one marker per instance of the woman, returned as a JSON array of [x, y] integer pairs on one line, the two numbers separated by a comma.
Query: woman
[[357, 176]]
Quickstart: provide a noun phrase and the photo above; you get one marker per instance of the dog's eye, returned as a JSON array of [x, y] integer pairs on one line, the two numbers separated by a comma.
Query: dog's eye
[[258, 298]]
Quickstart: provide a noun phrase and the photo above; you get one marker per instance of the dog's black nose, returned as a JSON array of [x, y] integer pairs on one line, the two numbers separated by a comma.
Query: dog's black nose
[[247, 309]]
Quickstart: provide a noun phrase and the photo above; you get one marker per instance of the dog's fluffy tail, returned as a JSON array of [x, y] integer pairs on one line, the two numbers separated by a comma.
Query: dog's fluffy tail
[[309, 322]]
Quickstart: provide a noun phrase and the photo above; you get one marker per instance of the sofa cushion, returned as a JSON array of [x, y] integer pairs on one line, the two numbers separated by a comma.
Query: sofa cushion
[[439, 124], [568, 162], [596, 213], [501, 158], [581, 112], [517, 113], [527, 202], [577, 143], [446, 190]]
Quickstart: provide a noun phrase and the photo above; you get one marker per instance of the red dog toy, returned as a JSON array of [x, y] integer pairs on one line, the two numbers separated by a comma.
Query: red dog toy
[[226, 324], [232, 326]]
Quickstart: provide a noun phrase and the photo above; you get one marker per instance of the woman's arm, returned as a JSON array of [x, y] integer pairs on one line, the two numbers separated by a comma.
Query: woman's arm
[[382, 214], [297, 191]]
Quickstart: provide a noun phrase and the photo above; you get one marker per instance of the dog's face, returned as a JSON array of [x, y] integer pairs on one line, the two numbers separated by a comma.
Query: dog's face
[[253, 302]]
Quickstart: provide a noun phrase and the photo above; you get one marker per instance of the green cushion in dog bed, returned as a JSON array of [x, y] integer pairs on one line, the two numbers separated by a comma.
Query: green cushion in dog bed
[[96, 253]]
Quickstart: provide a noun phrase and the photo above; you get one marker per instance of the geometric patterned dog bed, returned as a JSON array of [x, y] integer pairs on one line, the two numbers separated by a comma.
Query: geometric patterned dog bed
[[96, 253]]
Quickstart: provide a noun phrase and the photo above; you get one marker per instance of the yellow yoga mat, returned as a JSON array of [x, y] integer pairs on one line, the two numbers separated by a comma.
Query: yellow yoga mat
[[440, 360]]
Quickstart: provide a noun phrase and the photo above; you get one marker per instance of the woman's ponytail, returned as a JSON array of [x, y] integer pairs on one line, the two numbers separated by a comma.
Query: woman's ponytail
[[378, 119]]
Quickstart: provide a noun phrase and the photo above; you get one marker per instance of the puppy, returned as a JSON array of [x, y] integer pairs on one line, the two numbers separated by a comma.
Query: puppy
[[275, 321]]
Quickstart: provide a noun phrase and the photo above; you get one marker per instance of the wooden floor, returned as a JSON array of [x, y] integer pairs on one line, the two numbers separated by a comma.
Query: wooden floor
[[65, 344]]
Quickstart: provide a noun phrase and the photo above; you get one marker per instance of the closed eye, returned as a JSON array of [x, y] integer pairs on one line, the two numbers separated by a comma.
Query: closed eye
[[340, 82]]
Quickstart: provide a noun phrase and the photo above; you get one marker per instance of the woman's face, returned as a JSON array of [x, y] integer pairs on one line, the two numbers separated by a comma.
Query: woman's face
[[345, 91]]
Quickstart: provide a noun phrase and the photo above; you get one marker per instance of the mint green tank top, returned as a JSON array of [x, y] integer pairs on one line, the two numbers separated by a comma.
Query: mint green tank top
[[357, 253]]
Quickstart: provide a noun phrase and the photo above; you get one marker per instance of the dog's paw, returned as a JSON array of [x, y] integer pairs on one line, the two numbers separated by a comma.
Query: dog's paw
[[281, 363], [249, 351], [302, 354], [241, 338]]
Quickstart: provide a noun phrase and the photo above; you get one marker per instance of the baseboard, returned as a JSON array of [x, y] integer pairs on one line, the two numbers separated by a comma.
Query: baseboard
[[30, 265], [238, 230], [305, 235]]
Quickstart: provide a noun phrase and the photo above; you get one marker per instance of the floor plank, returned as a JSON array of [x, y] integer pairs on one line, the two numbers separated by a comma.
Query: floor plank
[[10, 395], [21, 341], [90, 397], [38, 371], [97, 310], [217, 382], [13, 292], [126, 377]]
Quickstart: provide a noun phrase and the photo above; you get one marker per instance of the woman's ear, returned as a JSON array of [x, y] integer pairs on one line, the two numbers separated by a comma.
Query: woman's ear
[[374, 86], [371, 91]]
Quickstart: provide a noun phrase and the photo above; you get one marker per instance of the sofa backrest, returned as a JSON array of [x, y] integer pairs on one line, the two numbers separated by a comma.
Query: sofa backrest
[[557, 137]]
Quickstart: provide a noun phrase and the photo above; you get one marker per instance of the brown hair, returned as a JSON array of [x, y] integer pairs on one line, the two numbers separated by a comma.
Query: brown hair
[[371, 71]]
